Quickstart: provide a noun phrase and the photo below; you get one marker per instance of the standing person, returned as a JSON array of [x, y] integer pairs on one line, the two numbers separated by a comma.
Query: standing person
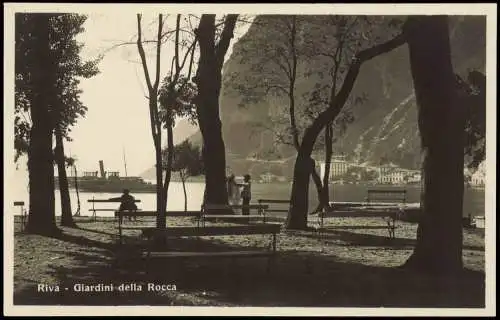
[[127, 202], [233, 191], [246, 194]]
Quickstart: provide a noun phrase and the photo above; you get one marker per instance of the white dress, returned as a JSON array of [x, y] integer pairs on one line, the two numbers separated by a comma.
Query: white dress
[[234, 194]]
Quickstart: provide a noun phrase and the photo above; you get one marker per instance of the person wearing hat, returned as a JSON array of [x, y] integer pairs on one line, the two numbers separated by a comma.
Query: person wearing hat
[[127, 202], [246, 193]]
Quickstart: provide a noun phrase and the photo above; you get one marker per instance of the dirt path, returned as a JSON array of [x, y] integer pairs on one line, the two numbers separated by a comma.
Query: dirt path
[[351, 264]]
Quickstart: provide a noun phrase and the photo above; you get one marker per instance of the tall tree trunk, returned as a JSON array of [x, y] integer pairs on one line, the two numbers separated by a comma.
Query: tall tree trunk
[[66, 214], [323, 201], [328, 161], [208, 79], [297, 216], [300, 192], [183, 178], [40, 157], [441, 125], [161, 219], [215, 164], [77, 213], [168, 168]]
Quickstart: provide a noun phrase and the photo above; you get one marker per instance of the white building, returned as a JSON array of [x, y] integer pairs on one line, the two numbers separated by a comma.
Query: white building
[[392, 174], [337, 168], [266, 177], [478, 178], [414, 177]]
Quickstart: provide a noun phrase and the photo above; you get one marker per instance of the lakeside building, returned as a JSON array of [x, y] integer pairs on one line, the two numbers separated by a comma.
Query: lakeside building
[[392, 174], [338, 167], [478, 178], [266, 177]]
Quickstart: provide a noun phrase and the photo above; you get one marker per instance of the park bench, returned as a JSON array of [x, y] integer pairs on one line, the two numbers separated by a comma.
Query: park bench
[[209, 215], [374, 195], [278, 206], [23, 213], [94, 209], [140, 213], [176, 232], [399, 195]]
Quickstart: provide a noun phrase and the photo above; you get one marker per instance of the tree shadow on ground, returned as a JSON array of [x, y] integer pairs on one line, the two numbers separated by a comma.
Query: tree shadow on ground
[[97, 231], [84, 241], [362, 239], [297, 279]]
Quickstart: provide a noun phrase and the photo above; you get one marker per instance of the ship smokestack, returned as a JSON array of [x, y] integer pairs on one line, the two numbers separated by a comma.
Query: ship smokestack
[[101, 166]]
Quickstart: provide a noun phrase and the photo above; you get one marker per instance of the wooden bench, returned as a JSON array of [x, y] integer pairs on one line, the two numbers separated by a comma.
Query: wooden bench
[[23, 213], [94, 209], [279, 206], [374, 195], [176, 232], [399, 195], [208, 209], [140, 213], [275, 201]]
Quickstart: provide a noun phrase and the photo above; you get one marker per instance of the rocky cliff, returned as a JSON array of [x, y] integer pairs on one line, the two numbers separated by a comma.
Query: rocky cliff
[[384, 126]]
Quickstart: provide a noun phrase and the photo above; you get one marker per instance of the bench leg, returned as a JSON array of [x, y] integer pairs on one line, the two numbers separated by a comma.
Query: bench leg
[[120, 229], [274, 243], [391, 227]]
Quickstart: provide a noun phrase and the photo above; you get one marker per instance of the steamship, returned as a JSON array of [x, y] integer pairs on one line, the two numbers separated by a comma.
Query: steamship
[[108, 182]]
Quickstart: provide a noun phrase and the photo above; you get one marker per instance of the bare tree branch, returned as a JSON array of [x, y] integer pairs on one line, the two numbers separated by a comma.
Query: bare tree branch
[[336, 104], [176, 55], [190, 69], [152, 113], [278, 87], [142, 53], [158, 52], [226, 36]]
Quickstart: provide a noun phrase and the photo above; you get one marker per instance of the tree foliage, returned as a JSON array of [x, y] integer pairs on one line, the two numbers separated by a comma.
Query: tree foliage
[[177, 100], [48, 70], [66, 107], [187, 160], [472, 96]]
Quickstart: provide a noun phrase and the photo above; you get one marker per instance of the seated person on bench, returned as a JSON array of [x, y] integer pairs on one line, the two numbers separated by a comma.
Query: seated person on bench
[[127, 202]]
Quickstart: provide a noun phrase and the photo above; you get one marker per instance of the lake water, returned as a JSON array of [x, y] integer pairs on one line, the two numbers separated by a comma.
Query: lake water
[[473, 198]]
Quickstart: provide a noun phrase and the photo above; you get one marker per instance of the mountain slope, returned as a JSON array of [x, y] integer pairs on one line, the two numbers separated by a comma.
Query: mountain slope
[[385, 125]]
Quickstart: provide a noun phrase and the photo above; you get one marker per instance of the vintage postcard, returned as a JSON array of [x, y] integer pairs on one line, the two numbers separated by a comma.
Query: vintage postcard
[[255, 159]]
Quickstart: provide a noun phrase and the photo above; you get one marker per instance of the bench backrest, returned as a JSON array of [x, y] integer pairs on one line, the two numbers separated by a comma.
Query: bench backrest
[[229, 207], [216, 230], [141, 213], [387, 191], [381, 194], [107, 200], [274, 201], [281, 202]]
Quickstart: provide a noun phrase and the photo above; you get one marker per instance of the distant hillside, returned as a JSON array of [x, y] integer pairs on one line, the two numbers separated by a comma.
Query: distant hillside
[[385, 126], [182, 130]]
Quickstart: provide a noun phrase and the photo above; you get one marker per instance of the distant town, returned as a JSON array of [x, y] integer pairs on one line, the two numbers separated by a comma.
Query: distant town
[[343, 171]]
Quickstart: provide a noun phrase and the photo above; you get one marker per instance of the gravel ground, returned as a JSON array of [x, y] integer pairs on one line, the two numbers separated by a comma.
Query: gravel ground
[[351, 264]]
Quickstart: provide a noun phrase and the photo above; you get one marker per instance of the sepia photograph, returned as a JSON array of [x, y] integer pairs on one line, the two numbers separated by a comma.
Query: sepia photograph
[[256, 159]]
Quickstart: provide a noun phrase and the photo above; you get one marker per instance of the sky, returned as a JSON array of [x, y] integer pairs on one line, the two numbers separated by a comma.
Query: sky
[[117, 121], [118, 114]]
